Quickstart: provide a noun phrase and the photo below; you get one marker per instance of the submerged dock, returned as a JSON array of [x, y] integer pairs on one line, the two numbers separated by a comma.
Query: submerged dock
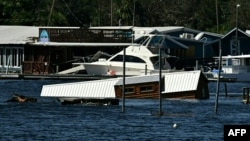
[[55, 76], [223, 79], [82, 77]]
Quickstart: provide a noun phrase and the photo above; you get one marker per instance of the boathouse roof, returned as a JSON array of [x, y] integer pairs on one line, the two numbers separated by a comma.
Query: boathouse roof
[[182, 81], [233, 31], [68, 44], [111, 27], [17, 34], [87, 89], [139, 79]]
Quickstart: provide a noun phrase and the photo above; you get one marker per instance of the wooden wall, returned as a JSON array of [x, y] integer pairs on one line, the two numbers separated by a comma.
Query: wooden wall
[[137, 91]]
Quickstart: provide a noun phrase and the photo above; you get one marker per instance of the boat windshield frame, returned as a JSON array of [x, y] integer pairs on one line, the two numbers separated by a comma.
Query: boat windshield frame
[[155, 61], [128, 58]]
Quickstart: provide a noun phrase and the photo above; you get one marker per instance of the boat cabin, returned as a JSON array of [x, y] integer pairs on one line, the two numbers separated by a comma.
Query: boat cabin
[[235, 64]]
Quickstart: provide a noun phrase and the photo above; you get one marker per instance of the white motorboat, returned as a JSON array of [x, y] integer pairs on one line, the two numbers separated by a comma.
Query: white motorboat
[[234, 66], [139, 59]]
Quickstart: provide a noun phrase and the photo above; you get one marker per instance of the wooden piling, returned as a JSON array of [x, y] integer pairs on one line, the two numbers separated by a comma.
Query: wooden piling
[[245, 95]]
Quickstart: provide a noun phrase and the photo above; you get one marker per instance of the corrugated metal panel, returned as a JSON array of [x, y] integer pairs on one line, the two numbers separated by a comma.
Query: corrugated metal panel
[[111, 27], [82, 44], [17, 34], [87, 89], [181, 81], [139, 79]]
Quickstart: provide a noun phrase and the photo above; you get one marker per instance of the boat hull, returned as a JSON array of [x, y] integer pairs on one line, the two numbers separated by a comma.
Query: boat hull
[[240, 77], [234, 77], [96, 69], [103, 69]]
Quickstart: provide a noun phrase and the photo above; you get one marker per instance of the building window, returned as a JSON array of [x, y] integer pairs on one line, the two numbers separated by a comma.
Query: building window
[[144, 89], [129, 90], [11, 57]]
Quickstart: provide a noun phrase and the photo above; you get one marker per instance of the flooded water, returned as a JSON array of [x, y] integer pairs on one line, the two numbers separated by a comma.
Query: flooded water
[[189, 120]]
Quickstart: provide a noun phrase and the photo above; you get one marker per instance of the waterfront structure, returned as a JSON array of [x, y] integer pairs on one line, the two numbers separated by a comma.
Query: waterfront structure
[[228, 43], [12, 44], [186, 84], [48, 50], [86, 92]]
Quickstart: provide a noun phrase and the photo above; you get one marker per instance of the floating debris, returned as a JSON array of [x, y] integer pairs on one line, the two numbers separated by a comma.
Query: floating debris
[[21, 98], [93, 102]]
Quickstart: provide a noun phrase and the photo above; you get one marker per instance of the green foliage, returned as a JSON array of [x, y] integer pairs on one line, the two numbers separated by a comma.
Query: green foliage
[[196, 14]]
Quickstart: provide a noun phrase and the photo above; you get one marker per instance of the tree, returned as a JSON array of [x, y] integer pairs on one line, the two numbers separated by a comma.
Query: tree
[[194, 14]]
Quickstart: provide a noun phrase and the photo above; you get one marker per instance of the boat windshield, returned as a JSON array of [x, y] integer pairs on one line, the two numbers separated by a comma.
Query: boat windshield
[[142, 40], [156, 41], [128, 58], [155, 61], [145, 41]]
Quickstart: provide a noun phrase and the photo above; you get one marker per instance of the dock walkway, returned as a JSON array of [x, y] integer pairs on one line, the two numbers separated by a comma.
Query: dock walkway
[[55, 76]]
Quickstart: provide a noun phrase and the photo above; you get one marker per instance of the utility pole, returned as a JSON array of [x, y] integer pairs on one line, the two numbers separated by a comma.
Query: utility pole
[[236, 36]]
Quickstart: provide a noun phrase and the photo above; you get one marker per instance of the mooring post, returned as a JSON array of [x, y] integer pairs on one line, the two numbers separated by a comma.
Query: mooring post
[[218, 81], [225, 85], [160, 84], [244, 93], [124, 81], [247, 96]]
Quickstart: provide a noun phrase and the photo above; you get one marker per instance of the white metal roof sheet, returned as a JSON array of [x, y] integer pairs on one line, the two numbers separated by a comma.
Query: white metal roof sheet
[[139, 79], [17, 34], [160, 29], [79, 44], [111, 27], [142, 31], [181, 81], [88, 89], [234, 56]]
